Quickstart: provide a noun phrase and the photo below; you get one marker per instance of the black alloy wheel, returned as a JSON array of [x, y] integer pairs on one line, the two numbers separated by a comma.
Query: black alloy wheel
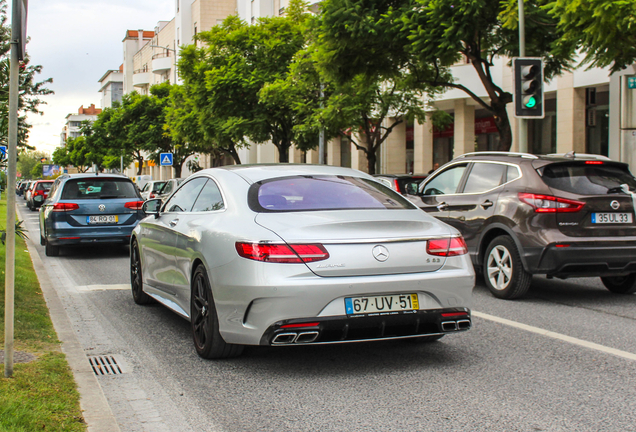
[[204, 321], [620, 284], [503, 271], [136, 280], [50, 250]]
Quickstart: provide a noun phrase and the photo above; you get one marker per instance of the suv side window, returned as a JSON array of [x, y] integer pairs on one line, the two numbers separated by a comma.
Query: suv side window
[[484, 177], [445, 182], [183, 199], [209, 199]]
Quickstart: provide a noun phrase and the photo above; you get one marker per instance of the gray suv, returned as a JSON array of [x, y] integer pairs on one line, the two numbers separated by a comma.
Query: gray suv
[[559, 215]]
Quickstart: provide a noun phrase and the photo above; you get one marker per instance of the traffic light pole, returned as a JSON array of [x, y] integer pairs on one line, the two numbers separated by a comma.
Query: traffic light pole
[[522, 124]]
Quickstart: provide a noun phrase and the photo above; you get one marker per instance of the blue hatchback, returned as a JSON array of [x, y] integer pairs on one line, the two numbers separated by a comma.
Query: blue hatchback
[[89, 209]]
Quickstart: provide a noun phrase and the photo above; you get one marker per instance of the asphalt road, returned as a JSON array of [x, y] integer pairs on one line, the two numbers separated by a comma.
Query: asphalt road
[[558, 373]]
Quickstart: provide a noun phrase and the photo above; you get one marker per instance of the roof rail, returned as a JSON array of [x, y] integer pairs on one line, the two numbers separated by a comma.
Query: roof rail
[[499, 153], [573, 155]]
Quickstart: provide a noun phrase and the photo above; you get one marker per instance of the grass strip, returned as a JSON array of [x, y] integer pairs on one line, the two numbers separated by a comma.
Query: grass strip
[[41, 395]]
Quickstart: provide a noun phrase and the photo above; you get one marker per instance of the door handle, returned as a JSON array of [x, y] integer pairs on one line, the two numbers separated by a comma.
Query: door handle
[[174, 222], [487, 204], [442, 206]]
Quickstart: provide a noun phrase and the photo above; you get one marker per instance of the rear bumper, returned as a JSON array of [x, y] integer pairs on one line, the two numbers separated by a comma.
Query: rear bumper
[[341, 329], [580, 259], [90, 236]]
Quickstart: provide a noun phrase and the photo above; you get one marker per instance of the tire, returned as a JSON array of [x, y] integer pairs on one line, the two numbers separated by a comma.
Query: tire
[[620, 284], [503, 271], [42, 240], [136, 279], [208, 342], [50, 250]]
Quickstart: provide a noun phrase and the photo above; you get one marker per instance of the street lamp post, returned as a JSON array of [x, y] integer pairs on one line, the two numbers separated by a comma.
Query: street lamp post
[[175, 59]]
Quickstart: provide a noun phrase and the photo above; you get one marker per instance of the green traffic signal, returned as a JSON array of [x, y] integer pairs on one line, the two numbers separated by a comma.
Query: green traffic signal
[[529, 101]]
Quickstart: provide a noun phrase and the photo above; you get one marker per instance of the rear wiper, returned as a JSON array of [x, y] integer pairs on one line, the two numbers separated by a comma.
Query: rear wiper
[[111, 196], [617, 189]]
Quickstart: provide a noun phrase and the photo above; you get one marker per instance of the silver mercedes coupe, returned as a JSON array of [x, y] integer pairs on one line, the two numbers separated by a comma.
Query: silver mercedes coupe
[[284, 254]]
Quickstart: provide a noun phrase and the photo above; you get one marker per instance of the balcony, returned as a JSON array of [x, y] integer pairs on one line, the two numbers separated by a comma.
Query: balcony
[[141, 77], [161, 63]]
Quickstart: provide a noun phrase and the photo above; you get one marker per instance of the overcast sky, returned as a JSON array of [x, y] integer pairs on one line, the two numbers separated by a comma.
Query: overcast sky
[[76, 42]]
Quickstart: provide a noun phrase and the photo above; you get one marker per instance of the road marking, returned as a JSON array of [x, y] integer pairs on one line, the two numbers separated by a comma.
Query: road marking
[[558, 336], [103, 287]]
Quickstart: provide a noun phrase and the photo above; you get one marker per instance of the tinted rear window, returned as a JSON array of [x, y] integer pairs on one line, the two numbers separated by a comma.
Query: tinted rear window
[[44, 186], [98, 188], [324, 193], [588, 179]]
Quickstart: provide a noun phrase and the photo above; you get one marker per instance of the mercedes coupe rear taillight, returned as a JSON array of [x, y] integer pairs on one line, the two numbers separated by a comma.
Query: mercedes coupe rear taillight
[[550, 204], [282, 253], [447, 247], [64, 207]]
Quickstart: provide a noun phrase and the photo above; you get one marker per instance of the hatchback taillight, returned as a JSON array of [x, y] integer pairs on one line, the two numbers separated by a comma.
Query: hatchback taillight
[[63, 207], [447, 247], [550, 204], [282, 253], [135, 205], [36, 193]]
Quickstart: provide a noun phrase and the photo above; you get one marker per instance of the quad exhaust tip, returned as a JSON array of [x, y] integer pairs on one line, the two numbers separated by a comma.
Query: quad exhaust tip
[[449, 326], [299, 338]]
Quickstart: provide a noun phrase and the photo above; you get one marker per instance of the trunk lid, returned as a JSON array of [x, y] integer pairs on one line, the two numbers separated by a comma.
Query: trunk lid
[[363, 242]]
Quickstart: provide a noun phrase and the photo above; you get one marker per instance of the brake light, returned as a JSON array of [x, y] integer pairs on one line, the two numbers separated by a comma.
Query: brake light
[[396, 185], [151, 196], [301, 325], [282, 253], [135, 205], [63, 207], [593, 163], [550, 204], [36, 193], [447, 247], [454, 314]]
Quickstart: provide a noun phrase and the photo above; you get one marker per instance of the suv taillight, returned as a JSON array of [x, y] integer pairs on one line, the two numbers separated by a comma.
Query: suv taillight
[[282, 253], [447, 247], [135, 205], [63, 207], [550, 204]]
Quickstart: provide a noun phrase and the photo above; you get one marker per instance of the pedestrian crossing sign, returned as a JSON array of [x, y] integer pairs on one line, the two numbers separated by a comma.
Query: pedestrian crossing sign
[[165, 159]]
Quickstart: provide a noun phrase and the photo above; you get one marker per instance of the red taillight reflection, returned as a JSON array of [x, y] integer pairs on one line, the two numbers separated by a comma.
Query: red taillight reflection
[[314, 324], [550, 204], [454, 314], [282, 253], [63, 207], [447, 247], [593, 163], [135, 205]]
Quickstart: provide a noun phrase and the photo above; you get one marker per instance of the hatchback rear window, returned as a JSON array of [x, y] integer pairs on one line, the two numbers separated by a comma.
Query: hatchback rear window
[[588, 179], [99, 188], [44, 186], [324, 193]]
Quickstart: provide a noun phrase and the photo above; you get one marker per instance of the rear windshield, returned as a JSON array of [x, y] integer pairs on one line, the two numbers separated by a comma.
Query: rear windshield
[[588, 179], [157, 186], [44, 186], [98, 188], [324, 193]]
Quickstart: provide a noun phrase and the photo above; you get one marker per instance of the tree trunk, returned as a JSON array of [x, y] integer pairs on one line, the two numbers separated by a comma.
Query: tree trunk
[[283, 152], [231, 150], [502, 121], [178, 168], [371, 156]]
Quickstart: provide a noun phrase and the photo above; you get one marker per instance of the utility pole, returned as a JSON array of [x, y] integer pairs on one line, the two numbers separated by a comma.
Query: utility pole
[[18, 45], [522, 123], [321, 137]]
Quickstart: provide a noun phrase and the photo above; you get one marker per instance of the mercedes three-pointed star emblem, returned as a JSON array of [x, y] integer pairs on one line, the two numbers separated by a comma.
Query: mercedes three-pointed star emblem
[[381, 253]]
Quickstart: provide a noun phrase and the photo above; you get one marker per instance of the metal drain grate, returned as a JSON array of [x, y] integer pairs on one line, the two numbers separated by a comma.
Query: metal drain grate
[[105, 365]]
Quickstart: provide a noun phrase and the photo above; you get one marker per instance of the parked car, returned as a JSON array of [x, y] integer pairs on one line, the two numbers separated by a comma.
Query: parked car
[[151, 189], [89, 209], [287, 254], [558, 215], [168, 188], [27, 190], [39, 193], [402, 183]]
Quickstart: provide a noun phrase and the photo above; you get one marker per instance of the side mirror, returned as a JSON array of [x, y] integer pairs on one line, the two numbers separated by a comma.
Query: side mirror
[[152, 207]]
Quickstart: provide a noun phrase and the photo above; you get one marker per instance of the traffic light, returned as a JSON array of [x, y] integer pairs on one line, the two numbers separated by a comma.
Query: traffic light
[[528, 87]]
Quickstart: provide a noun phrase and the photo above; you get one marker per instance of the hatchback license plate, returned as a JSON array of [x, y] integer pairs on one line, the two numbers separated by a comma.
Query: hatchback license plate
[[379, 304], [610, 218], [106, 219]]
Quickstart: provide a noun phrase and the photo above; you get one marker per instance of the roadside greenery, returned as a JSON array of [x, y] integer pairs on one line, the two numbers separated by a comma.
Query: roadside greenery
[[41, 395]]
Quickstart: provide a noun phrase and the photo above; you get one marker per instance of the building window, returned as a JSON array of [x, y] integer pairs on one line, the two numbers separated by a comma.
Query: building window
[[195, 29]]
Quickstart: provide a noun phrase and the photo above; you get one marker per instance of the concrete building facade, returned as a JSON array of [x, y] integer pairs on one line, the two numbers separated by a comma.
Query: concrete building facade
[[111, 86], [73, 123]]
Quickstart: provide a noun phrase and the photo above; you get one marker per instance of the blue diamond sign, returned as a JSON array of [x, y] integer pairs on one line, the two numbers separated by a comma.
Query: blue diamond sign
[[3, 152], [631, 82], [165, 159]]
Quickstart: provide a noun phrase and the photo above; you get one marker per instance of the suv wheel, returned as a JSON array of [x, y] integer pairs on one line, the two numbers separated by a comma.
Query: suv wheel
[[50, 250], [503, 271], [620, 284]]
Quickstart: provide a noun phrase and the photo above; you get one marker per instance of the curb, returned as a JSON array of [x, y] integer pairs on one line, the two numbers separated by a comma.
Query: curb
[[95, 409]]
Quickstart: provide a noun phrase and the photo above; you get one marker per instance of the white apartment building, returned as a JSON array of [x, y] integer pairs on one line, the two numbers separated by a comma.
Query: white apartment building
[[586, 111], [73, 123], [111, 86]]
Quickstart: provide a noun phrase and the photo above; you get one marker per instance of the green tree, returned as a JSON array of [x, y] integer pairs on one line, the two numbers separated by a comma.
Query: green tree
[[605, 30], [29, 88], [228, 73], [37, 171], [27, 160], [427, 37]]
